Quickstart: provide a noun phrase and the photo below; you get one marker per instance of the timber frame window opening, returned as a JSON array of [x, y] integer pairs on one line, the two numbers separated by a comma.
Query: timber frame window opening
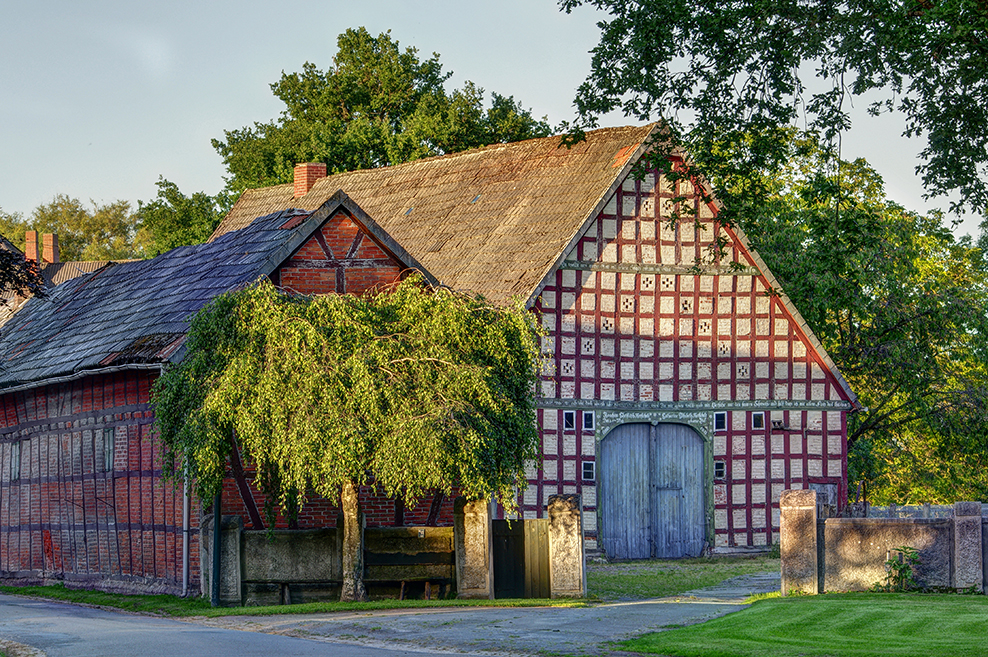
[[588, 421], [720, 470], [569, 420], [720, 421], [758, 420], [109, 449], [589, 471]]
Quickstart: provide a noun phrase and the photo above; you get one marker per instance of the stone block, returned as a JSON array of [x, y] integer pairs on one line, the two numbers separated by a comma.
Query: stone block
[[857, 548], [567, 575], [474, 556], [798, 542], [231, 528], [968, 551]]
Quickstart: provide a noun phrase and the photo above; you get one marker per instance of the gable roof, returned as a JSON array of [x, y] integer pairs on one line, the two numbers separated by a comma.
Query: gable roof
[[137, 313], [494, 220]]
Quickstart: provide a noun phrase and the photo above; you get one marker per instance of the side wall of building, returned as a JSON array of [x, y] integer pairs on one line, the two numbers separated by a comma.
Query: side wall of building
[[643, 328], [82, 497]]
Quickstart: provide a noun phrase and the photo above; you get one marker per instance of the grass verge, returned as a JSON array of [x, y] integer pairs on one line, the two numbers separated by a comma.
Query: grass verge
[[656, 579], [846, 624], [168, 605]]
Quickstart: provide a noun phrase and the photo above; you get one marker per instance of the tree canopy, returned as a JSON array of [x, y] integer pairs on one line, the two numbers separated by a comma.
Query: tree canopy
[[727, 76], [173, 219], [409, 390], [378, 105], [902, 307], [104, 232]]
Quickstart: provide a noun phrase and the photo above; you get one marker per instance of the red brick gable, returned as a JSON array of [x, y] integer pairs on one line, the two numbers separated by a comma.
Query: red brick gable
[[340, 257]]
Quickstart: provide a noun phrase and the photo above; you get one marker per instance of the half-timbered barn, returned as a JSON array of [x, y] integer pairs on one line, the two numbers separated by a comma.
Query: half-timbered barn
[[680, 396]]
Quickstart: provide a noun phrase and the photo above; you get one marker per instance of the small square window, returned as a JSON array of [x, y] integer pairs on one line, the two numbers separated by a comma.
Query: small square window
[[588, 421], [720, 421], [589, 471], [758, 420], [569, 420], [720, 470]]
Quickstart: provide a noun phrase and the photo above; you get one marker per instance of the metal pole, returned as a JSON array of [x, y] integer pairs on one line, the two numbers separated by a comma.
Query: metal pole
[[216, 552], [186, 512]]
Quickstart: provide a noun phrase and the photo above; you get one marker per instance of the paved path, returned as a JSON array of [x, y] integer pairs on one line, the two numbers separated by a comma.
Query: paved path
[[35, 628], [67, 630], [504, 631]]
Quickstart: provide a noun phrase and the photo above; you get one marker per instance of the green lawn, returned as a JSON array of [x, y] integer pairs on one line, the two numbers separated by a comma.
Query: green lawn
[[844, 625], [656, 579]]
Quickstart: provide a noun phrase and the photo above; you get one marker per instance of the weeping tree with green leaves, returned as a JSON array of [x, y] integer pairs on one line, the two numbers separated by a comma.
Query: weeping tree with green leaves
[[410, 390], [902, 307]]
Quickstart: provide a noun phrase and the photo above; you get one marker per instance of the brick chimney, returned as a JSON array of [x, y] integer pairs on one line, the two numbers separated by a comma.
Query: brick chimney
[[306, 176], [31, 246], [49, 249]]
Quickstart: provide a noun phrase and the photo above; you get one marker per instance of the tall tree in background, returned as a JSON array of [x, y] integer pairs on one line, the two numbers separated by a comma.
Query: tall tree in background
[[173, 219], [902, 307], [898, 302], [409, 390], [726, 76], [376, 106], [105, 232]]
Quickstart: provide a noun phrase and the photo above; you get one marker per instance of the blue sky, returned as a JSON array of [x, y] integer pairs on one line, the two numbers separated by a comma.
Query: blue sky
[[99, 98]]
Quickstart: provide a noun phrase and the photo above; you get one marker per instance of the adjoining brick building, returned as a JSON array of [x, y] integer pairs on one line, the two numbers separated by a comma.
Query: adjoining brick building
[[680, 399], [82, 493]]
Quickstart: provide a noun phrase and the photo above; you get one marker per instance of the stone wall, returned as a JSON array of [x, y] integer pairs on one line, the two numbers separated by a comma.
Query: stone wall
[[849, 554], [854, 550]]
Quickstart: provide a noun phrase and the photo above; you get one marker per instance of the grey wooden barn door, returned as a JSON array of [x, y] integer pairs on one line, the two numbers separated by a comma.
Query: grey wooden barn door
[[652, 492]]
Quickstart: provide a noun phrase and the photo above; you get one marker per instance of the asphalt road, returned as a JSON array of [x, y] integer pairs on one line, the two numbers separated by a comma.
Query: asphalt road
[[61, 629]]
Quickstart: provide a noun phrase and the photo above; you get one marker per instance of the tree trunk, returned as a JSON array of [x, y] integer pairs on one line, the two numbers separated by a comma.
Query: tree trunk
[[353, 546]]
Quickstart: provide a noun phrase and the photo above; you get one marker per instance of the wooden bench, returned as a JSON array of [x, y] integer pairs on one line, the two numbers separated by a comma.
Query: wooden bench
[[398, 561]]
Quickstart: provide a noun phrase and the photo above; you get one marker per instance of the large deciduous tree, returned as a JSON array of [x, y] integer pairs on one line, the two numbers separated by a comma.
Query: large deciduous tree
[[408, 390], [174, 219], [726, 75], [105, 232], [377, 105], [902, 307]]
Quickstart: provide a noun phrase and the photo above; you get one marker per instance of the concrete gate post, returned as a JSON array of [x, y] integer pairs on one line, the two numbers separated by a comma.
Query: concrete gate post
[[968, 565], [474, 556], [567, 574], [798, 542], [231, 530]]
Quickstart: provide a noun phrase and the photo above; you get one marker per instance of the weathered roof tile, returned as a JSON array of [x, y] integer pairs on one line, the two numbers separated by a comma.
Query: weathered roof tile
[[533, 197], [112, 314]]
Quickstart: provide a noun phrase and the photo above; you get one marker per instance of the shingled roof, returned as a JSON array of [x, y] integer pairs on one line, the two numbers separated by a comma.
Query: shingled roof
[[138, 312], [494, 220]]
